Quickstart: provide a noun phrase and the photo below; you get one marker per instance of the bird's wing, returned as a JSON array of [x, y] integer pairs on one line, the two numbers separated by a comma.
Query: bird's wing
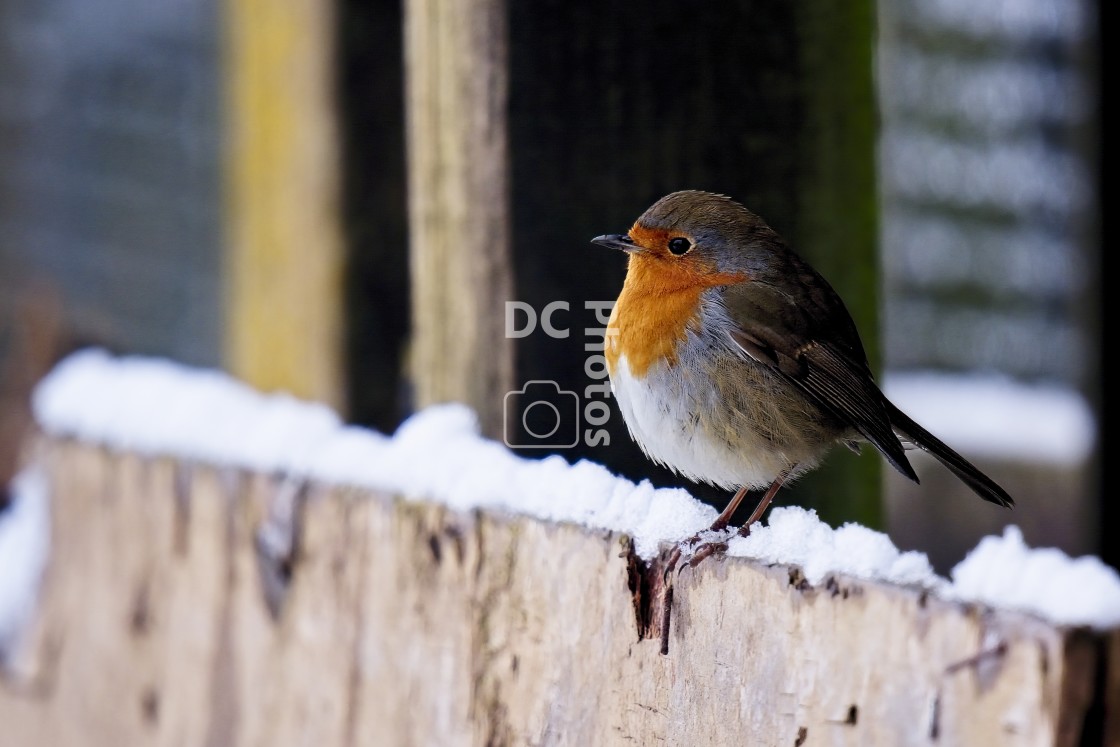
[[807, 335]]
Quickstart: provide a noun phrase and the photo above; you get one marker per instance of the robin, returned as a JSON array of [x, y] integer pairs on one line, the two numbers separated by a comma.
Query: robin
[[736, 364]]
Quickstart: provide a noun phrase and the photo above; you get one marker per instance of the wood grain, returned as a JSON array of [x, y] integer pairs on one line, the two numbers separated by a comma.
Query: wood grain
[[405, 623], [456, 83]]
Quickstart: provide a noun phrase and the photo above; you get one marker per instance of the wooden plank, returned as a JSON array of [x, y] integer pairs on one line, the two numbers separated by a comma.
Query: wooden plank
[[406, 623], [284, 265], [458, 190]]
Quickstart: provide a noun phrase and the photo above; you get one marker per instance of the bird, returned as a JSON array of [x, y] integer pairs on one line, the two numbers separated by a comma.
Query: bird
[[736, 364]]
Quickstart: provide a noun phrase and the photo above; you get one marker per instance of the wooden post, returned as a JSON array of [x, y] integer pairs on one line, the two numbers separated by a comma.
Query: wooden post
[[837, 223], [456, 81], [283, 306]]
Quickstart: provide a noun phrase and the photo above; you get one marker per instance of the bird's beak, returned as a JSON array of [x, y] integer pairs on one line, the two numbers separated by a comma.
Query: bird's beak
[[616, 241]]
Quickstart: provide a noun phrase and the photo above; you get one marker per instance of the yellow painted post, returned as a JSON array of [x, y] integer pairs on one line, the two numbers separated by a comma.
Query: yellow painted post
[[284, 291]]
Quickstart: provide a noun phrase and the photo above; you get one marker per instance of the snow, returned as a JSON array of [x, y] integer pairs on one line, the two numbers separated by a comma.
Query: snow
[[24, 545], [1000, 572], [152, 406], [795, 536], [157, 407], [1004, 572], [993, 416]]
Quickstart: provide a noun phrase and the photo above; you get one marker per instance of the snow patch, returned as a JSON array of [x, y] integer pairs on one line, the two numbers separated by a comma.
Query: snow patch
[[1004, 572], [796, 536], [157, 407], [24, 546], [986, 415]]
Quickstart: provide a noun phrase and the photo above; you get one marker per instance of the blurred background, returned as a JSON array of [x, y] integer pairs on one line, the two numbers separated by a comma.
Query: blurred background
[[338, 199]]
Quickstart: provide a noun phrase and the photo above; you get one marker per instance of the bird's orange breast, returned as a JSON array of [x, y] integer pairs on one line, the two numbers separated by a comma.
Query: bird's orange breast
[[660, 299]]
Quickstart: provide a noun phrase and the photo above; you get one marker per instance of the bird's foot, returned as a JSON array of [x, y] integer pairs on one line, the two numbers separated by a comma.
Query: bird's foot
[[688, 552], [703, 544]]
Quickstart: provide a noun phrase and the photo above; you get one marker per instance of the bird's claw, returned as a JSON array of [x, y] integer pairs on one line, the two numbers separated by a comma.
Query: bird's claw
[[704, 551], [699, 546]]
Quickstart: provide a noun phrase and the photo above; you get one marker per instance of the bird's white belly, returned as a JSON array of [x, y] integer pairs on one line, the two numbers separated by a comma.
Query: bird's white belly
[[679, 424]]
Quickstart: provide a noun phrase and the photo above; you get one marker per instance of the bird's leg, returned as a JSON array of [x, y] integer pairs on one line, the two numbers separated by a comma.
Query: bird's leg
[[724, 518], [769, 496], [704, 549], [718, 525], [710, 547]]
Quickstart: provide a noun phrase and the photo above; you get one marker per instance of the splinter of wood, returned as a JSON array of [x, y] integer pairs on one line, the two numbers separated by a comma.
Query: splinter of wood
[[666, 615], [994, 652]]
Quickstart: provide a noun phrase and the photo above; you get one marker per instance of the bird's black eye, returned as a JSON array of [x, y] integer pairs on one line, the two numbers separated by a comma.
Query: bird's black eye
[[679, 245]]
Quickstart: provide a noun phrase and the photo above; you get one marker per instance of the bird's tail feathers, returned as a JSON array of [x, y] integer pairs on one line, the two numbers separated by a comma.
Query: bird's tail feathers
[[980, 483]]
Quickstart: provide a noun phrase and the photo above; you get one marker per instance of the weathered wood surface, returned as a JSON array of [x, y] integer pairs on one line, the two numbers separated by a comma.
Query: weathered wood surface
[[456, 88], [405, 624]]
